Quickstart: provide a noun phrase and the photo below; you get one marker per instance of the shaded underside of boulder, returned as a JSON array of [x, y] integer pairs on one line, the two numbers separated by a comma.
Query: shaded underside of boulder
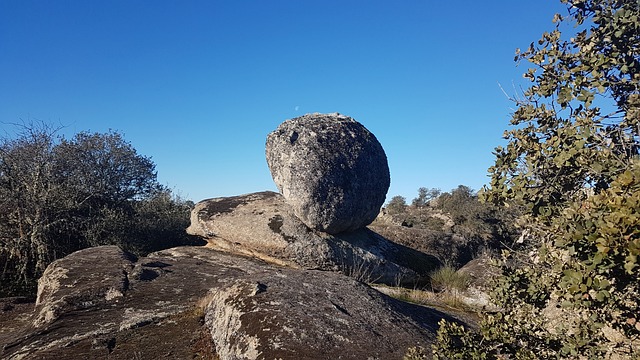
[[263, 225], [331, 169], [253, 310]]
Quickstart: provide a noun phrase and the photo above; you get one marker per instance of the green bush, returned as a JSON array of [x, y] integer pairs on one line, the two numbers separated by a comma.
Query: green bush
[[569, 288], [416, 353], [397, 205]]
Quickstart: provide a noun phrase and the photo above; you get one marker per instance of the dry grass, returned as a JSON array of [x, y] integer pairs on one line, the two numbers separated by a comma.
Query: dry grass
[[447, 300], [447, 279], [360, 270], [202, 345], [203, 303]]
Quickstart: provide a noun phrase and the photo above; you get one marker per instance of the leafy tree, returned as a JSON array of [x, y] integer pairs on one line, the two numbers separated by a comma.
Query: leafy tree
[[397, 205], [570, 287], [60, 195], [105, 169], [425, 196], [460, 203]]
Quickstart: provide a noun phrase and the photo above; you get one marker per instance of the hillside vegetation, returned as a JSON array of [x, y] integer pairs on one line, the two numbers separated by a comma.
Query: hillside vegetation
[[60, 195], [455, 226]]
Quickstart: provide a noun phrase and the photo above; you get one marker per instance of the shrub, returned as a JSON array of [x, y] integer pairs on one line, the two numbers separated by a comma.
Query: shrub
[[569, 288], [60, 195], [397, 205]]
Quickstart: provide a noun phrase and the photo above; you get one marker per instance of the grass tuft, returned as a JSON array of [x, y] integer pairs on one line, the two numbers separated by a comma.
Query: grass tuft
[[448, 279]]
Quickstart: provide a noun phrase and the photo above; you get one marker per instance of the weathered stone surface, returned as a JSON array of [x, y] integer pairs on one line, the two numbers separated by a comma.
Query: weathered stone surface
[[331, 169], [253, 310], [291, 314], [66, 285], [480, 272], [263, 225]]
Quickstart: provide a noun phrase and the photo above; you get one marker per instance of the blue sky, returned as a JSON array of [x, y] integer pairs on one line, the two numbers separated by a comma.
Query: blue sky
[[198, 85]]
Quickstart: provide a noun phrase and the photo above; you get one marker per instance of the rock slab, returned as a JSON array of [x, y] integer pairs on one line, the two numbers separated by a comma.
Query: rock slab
[[263, 225], [292, 314], [250, 310], [330, 169]]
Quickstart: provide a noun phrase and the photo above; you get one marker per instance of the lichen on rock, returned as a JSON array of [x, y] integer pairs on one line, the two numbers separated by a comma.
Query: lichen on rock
[[330, 169]]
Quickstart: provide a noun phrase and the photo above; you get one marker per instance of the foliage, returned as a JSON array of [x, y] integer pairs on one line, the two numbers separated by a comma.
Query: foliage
[[484, 224], [151, 224], [565, 139], [416, 353], [425, 196], [397, 205], [60, 195], [424, 221], [448, 279], [570, 287]]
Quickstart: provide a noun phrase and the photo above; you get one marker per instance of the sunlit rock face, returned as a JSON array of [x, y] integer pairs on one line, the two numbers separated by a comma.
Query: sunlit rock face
[[330, 169], [262, 225], [103, 303]]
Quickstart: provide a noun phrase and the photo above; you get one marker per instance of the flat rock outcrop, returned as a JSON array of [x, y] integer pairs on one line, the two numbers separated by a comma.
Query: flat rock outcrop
[[263, 225], [283, 276], [188, 301], [56, 296], [330, 169]]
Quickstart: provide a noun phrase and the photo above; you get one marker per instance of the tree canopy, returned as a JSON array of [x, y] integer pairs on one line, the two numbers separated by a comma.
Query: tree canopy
[[59, 195], [570, 285]]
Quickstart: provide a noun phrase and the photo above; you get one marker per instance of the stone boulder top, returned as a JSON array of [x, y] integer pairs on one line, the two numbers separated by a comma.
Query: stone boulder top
[[331, 170]]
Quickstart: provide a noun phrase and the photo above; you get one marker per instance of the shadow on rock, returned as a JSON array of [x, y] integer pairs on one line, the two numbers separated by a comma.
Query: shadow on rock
[[263, 225]]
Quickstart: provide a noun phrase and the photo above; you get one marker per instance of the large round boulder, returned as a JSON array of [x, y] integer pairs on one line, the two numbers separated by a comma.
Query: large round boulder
[[330, 169]]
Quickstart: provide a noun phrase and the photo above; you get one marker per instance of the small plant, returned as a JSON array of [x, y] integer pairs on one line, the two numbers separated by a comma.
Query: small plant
[[359, 269], [448, 279], [202, 304], [416, 353]]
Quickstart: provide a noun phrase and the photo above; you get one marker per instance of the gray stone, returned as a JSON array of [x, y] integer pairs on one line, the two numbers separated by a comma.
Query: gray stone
[[291, 314], [330, 169], [263, 225], [90, 288], [240, 308], [481, 272]]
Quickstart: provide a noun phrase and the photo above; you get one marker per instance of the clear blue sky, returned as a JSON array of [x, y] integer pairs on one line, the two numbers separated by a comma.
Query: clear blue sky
[[198, 85]]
